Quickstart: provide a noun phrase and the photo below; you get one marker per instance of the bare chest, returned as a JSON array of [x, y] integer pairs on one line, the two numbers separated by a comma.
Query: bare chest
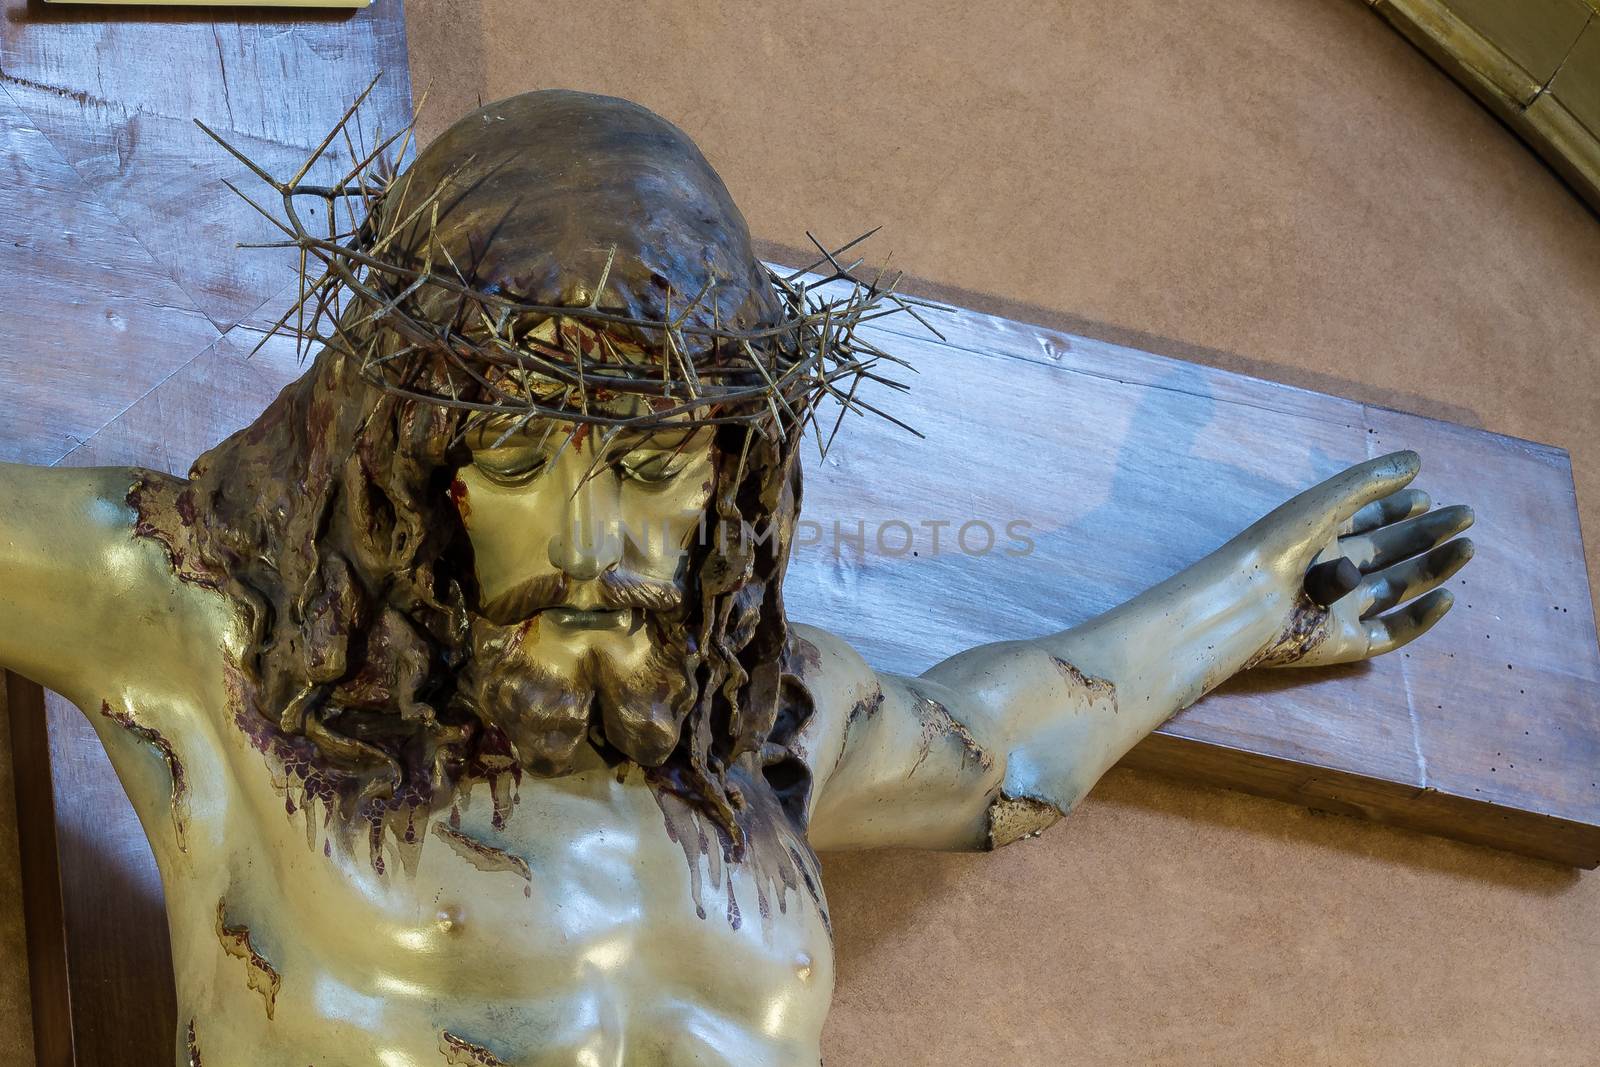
[[582, 920]]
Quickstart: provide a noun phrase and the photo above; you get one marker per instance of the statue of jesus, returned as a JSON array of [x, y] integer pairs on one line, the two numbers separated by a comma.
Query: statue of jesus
[[456, 693]]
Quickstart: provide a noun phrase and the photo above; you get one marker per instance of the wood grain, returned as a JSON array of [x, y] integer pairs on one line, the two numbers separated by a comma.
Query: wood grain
[[117, 99], [122, 292], [103, 324], [1126, 467]]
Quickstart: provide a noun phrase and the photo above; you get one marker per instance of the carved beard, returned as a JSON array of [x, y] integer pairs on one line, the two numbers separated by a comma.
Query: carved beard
[[626, 692]]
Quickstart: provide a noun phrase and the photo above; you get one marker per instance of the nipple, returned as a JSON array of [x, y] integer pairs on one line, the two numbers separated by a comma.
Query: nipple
[[449, 920]]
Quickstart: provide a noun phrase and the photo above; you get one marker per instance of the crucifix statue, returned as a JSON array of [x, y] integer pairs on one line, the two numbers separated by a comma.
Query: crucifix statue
[[456, 693]]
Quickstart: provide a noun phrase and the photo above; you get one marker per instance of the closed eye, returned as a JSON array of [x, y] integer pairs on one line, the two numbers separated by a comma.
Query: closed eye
[[512, 464], [652, 467]]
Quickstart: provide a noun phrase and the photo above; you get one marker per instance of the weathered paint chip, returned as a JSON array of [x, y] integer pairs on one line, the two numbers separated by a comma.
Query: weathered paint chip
[[260, 975], [1012, 818], [459, 1052]]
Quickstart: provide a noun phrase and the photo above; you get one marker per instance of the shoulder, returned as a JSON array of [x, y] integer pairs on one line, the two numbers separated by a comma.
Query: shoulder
[[184, 620], [826, 687], [162, 509], [894, 761], [104, 598], [99, 577]]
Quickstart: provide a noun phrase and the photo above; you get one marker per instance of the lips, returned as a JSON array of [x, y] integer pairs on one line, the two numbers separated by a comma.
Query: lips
[[589, 618]]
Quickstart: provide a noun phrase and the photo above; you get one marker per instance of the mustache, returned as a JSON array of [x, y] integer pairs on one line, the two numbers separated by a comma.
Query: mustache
[[613, 589]]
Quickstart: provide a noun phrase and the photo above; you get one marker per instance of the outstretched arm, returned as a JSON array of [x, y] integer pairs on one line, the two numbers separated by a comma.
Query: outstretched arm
[[1053, 714], [82, 601]]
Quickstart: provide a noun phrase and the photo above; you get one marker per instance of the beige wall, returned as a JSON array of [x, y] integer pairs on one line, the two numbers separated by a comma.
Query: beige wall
[[1282, 188]]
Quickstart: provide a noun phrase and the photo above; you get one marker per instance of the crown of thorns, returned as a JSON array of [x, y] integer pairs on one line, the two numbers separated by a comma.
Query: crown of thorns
[[360, 274]]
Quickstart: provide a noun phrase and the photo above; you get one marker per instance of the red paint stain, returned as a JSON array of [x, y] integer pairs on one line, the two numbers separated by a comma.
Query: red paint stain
[[458, 495], [186, 508]]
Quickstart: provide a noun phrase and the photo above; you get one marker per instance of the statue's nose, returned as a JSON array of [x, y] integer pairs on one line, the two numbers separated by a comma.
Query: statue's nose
[[588, 543]]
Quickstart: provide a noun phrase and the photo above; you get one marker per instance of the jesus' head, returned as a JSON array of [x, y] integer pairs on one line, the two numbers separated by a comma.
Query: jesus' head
[[531, 504]]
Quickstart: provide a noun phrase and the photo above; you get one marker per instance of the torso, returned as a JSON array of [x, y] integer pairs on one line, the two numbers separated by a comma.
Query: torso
[[594, 922], [578, 932], [572, 935]]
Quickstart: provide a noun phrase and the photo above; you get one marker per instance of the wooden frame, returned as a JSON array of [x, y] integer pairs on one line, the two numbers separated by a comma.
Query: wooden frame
[[1536, 66], [41, 879], [99, 963]]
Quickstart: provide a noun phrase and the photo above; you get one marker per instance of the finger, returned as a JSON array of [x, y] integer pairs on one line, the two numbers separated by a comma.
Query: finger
[[1392, 508], [1389, 632], [1404, 581], [1391, 544], [1369, 481], [1328, 505]]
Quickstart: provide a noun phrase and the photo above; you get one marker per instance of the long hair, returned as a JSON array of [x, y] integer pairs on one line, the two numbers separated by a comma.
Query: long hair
[[331, 520], [330, 515]]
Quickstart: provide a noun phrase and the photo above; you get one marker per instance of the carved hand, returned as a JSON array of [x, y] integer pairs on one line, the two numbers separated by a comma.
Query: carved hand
[[1401, 552]]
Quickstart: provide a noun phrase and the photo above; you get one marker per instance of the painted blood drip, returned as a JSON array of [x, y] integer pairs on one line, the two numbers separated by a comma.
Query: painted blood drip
[[937, 722], [375, 842], [774, 859], [332, 801], [180, 782], [487, 858], [1094, 687], [459, 496], [165, 507], [1013, 818], [260, 975], [1308, 627], [395, 808]]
